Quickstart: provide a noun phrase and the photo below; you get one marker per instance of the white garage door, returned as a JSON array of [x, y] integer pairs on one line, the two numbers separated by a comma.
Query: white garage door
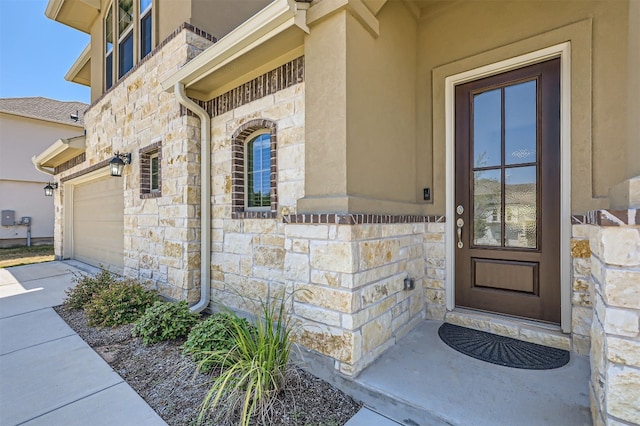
[[98, 212]]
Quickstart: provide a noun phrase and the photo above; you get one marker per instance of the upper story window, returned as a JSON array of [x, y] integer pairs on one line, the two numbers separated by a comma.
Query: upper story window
[[108, 62], [125, 36], [128, 37], [145, 28]]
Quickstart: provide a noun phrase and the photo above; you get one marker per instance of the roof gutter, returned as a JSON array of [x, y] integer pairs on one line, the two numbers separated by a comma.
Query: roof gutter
[[205, 196], [57, 148]]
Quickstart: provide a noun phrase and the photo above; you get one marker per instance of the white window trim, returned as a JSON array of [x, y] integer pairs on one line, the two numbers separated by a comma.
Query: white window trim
[[563, 51]]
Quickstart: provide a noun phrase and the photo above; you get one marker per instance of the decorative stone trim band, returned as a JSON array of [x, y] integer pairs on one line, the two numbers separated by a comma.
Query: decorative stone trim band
[[103, 163], [613, 217], [360, 219], [273, 81], [70, 163], [183, 26]]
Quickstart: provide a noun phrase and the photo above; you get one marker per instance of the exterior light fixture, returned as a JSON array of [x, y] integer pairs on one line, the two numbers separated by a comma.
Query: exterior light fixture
[[48, 190], [118, 162]]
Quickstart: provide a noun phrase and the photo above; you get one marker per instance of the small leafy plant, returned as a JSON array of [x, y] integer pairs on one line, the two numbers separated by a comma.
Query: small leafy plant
[[211, 335], [164, 321], [86, 286], [122, 302], [254, 369]]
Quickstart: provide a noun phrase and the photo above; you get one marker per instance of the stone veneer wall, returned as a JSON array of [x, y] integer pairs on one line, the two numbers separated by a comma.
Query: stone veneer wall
[[615, 351], [345, 276], [161, 235]]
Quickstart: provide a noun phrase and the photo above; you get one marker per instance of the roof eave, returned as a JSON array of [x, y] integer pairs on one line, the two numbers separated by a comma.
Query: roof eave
[[60, 151], [277, 17], [74, 73]]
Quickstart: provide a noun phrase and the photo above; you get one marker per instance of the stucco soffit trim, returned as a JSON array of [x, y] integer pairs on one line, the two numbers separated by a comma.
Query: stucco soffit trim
[[53, 8], [274, 19], [78, 14], [374, 5], [92, 3], [78, 66], [60, 151], [357, 8]]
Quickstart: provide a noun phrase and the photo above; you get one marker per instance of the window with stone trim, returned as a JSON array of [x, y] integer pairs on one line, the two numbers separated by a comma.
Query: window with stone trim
[[151, 171], [254, 170]]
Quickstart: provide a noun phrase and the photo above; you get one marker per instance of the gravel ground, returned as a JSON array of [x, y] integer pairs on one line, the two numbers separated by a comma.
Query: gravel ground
[[171, 385]]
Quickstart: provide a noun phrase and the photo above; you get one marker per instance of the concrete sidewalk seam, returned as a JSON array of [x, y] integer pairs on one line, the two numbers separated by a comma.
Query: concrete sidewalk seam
[[69, 403], [29, 312], [41, 343], [48, 276]]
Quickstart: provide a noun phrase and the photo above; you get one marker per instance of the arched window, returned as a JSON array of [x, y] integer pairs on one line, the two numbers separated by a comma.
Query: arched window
[[254, 170], [258, 171]]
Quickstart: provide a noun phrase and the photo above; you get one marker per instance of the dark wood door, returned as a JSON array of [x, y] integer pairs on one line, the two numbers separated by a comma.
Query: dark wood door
[[508, 193]]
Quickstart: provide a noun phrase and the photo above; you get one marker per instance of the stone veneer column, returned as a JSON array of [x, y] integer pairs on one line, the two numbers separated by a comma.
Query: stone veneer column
[[615, 332]]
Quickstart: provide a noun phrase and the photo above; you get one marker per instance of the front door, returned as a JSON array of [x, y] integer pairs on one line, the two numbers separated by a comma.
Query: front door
[[508, 193]]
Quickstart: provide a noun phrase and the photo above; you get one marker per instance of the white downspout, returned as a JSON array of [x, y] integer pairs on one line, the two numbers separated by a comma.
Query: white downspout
[[205, 197]]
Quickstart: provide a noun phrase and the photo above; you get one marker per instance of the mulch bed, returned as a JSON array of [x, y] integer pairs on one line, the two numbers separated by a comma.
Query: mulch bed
[[170, 384]]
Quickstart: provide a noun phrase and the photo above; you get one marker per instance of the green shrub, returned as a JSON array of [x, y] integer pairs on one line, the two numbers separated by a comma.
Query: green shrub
[[164, 321], [213, 334], [86, 286], [122, 302], [254, 369]]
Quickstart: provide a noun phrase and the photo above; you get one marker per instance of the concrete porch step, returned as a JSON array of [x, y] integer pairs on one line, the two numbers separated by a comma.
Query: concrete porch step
[[422, 381]]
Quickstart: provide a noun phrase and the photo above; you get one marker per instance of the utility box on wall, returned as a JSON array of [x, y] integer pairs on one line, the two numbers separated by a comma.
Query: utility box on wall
[[8, 217]]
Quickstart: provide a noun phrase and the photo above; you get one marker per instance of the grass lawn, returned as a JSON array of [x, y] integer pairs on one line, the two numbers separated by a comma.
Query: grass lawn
[[16, 256]]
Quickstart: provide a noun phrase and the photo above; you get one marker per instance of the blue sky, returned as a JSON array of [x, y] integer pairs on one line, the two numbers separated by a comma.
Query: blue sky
[[36, 53]]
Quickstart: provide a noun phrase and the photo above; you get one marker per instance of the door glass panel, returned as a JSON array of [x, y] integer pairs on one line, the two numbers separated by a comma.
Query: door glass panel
[[520, 123], [487, 129], [487, 208], [520, 207]]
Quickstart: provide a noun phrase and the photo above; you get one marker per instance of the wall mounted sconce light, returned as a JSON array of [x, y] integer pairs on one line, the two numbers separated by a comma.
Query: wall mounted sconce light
[[48, 190], [118, 162]]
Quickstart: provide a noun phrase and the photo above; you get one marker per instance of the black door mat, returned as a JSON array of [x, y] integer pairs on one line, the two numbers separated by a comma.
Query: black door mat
[[502, 350]]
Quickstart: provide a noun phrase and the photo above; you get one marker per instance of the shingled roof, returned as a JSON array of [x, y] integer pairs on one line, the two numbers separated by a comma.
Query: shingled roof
[[45, 109]]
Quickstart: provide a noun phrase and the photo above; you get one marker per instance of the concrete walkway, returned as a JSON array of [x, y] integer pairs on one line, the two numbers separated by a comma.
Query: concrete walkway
[[48, 374]]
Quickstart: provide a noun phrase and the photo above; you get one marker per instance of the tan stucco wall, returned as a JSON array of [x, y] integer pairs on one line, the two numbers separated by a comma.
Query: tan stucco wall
[[21, 185], [361, 127], [633, 86], [449, 41]]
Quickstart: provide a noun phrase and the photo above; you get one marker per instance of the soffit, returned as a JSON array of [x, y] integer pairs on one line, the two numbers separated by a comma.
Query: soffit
[[274, 34], [60, 151], [80, 71], [78, 14]]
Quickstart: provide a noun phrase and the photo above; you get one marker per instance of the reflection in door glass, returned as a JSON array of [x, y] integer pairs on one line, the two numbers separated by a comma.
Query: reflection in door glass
[[487, 125], [487, 208], [520, 207], [520, 123]]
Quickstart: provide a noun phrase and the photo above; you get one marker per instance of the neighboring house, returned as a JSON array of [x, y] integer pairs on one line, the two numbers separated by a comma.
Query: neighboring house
[[27, 127], [341, 147]]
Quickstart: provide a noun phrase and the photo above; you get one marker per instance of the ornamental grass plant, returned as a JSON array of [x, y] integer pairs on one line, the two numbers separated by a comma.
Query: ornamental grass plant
[[254, 369]]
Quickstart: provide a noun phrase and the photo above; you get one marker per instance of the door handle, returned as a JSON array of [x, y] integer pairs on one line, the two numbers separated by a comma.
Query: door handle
[[460, 224]]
